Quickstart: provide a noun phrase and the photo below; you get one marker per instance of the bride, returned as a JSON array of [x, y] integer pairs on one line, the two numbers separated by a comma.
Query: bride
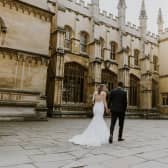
[[97, 132]]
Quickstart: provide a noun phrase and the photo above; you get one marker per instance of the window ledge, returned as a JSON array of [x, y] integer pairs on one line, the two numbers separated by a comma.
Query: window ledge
[[137, 67], [113, 61], [67, 49], [84, 53]]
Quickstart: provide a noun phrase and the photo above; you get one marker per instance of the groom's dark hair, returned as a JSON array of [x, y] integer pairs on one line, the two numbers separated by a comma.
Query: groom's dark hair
[[120, 84]]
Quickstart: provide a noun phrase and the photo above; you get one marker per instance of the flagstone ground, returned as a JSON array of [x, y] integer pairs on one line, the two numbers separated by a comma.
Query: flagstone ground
[[45, 145]]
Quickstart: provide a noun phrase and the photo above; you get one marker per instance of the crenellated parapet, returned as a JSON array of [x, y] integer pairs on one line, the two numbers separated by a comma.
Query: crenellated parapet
[[132, 29], [164, 35], [152, 37], [76, 6], [86, 9], [135, 31], [108, 18], [80, 7]]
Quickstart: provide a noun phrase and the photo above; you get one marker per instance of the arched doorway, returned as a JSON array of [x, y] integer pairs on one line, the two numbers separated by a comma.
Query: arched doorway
[[74, 83], [109, 78], [134, 91]]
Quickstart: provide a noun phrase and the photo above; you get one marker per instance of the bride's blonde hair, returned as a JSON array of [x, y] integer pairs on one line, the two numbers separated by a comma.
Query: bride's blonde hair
[[100, 88]]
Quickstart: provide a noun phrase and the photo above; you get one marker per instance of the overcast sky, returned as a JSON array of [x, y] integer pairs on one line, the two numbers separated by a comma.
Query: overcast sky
[[133, 10]]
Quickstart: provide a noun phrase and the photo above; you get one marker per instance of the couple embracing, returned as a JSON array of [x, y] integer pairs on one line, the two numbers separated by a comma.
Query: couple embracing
[[97, 132]]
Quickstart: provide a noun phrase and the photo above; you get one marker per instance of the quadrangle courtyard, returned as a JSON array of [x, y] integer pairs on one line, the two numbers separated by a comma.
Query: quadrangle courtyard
[[45, 145]]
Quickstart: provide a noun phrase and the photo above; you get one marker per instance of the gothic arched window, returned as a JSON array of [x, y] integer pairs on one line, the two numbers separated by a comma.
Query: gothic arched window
[[134, 91], [113, 50], [3, 27], [83, 42], [102, 47], [3, 30], [68, 34], [136, 57]]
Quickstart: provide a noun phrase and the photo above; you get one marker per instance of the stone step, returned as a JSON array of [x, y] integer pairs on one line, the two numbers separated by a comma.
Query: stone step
[[11, 118], [71, 114], [164, 117], [143, 114], [16, 112]]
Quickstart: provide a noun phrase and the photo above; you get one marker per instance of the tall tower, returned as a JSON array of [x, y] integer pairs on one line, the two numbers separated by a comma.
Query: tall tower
[[143, 19], [121, 12], [160, 21]]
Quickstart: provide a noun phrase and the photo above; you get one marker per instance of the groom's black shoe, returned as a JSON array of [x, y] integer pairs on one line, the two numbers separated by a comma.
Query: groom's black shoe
[[111, 139], [121, 139]]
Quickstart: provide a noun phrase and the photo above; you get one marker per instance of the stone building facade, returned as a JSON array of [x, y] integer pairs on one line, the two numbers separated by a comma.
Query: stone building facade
[[93, 48], [24, 57], [63, 49]]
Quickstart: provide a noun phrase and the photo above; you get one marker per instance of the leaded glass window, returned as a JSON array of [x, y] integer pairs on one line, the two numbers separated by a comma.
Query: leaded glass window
[[74, 83], [113, 51]]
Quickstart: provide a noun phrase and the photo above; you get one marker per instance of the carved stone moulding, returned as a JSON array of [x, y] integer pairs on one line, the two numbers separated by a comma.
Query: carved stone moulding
[[29, 9], [23, 56]]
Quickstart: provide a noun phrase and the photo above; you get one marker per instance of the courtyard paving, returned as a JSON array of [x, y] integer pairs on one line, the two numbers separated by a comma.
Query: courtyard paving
[[45, 145]]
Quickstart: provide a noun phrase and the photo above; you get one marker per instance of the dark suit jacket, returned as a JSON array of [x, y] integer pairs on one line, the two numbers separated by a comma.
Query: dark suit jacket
[[118, 100]]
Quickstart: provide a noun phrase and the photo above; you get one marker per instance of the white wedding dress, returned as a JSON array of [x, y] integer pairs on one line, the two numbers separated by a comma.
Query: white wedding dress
[[97, 133]]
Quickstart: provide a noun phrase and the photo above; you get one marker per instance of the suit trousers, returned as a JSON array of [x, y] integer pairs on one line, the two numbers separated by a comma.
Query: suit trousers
[[115, 116]]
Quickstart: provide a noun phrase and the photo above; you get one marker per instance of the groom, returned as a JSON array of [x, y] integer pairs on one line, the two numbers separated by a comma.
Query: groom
[[117, 104]]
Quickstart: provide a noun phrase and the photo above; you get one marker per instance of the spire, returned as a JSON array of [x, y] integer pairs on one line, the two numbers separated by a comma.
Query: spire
[[121, 4], [122, 13], [143, 19], [160, 21], [160, 17], [95, 2], [143, 14]]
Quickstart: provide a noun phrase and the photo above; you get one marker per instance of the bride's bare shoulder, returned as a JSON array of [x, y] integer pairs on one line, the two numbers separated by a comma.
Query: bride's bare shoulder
[[103, 93]]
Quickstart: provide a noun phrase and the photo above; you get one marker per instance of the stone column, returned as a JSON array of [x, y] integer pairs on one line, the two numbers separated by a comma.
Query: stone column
[[146, 84], [123, 67], [56, 65], [123, 54], [94, 68], [22, 73], [59, 70], [94, 77], [107, 46]]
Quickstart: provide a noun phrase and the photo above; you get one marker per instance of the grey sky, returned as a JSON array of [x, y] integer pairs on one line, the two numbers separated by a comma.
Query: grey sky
[[133, 10]]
